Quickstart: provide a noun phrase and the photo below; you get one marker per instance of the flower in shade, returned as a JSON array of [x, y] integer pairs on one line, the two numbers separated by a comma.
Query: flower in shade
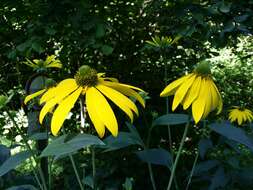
[[197, 90], [50, 62], [50, 85], [240, 115], [97, 90]]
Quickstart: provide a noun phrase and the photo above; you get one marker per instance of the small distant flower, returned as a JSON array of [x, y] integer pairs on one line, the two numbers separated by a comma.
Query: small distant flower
[[162, 42], [96, 89], [240, 115], [50, 62], [196, 89]]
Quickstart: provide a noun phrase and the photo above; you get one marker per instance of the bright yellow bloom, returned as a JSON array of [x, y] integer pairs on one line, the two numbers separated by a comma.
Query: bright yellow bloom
[[196, 89], [96, 89], [240, 114], [50, 61]]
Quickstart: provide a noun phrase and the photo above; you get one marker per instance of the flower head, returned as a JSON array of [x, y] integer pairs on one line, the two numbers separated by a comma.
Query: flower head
[[240, 114], [97, 89], [196, 89], [49, 83], [50, 62]]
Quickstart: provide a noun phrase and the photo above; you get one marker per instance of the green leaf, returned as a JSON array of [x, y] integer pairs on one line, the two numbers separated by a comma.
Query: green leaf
[[60, 146], [100, 31], [225, 7], [135, 133], [22, 187], [156, 156], [171, 119], [14, 161], [204, 145], [231, 132], [39, 136], [107, 50], [124, 139]]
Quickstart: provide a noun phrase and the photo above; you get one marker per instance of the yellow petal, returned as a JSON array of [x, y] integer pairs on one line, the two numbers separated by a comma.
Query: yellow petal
[[193, 93], [198, 105], [103, 109], [208, 103], [182, 91], [94, 117], [220, 104], [119, 99], [31, 96], [125, 90], [59, 95], [63, 109], [169, 90], [62, 86], [239, 118]]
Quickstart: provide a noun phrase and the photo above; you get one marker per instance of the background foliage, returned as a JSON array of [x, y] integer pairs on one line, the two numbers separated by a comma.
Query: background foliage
[[111, 36]]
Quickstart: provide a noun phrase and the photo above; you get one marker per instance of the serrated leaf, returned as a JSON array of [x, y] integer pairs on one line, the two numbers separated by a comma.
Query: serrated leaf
[[14, 161]]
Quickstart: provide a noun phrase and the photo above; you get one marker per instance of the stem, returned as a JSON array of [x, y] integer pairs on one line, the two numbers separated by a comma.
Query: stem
[[49, 174], [30, 149], [93, 166], [76, 172], [178, 155], [150, 171], [192, 171]]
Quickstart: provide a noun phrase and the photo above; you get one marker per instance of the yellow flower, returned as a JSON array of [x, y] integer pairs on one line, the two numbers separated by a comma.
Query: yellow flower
[[49, 83], [50, 61], [96, 89], [240, 114], [196, 89]]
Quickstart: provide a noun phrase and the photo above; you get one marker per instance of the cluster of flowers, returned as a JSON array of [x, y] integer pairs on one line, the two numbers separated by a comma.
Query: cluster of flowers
[[196, 89]]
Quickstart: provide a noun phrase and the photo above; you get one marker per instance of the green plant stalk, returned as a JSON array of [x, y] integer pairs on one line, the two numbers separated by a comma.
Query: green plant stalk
[[76, 172], [30, 149], [49, 174], [150, 171], [167, 112], [178, 155], [93, 160], [192, 171]]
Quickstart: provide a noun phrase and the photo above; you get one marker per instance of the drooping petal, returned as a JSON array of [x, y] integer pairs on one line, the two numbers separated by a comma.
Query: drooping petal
[[169, 90], [182, 91], [220, 103], [198, 105], [31, 96], [103, 110], [208, 103], [94, 116], [119, 99], [193, 93], [59, 95], [64, 85], [63, 109], [125, 90]]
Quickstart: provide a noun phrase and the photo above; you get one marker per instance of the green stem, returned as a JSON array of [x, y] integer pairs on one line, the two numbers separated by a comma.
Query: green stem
[[93, 166], [192, 171], [30, 149], [178, 155], [150, 171], [76, 172], [49, 174]]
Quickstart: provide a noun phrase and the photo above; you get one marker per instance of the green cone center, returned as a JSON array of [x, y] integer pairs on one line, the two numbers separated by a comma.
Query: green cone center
[[203, 68], [86, 76]]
